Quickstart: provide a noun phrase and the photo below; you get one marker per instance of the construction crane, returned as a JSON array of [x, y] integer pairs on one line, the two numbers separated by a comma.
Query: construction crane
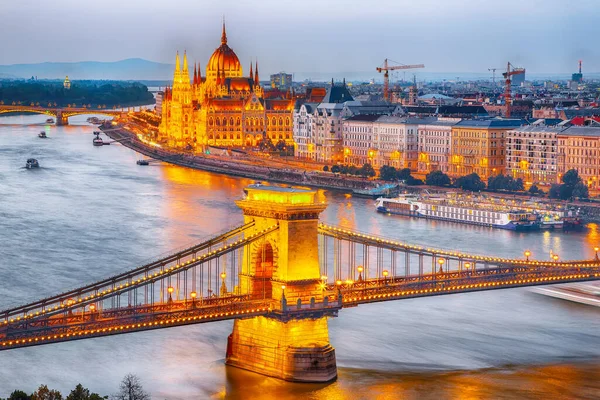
[[507, 85], [385, 68]]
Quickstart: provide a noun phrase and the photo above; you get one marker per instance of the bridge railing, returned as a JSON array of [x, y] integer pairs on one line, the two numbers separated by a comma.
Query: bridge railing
[[197, 272]]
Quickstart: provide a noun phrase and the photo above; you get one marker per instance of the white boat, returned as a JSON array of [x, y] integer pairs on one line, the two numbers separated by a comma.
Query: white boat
[[42, 135], [98, 141], [379, 190], [472, 213], [49, 121]]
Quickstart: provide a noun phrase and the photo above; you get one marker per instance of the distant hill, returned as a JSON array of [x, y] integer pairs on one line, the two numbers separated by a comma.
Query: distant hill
[[130, 69]]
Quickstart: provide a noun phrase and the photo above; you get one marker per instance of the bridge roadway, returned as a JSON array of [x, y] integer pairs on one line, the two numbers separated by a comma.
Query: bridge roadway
[[79, 313], [61, 114]]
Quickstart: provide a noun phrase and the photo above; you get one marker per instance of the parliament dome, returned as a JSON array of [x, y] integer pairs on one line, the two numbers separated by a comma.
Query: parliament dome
[[224, 60]]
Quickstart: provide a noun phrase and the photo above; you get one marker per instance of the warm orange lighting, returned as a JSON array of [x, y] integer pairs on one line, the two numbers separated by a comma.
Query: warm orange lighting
[[338, 282], [193, 295], [385, 272], [441, 261], [323, 277], [223, 275], [527, 254], [467, 265], [360, 269], [92, 307], [282, 287], [170, 289]]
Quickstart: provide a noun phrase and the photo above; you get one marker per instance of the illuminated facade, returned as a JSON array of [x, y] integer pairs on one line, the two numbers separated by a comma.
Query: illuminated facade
[[285, 268], [435, 145], [579, 148], [478, 147], [223, 107], [67, 83], [532, 153]]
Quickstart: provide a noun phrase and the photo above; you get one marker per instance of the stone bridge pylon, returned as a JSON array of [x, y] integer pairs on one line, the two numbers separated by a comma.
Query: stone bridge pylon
[[292, 341]]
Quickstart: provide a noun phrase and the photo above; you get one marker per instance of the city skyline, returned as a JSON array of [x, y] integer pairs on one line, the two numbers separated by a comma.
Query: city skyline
[[317, 38]]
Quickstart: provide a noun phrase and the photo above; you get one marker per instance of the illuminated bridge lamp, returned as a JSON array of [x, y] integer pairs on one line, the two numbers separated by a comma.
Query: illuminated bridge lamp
[[555, 257], [338, 283], [441, 262], [360, 271], [596, 250], [193, 295], [527, 254], [385, 275], [170, 290], [92, 308]]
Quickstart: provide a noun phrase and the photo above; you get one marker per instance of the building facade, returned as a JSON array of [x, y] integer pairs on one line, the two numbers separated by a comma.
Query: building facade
[[223, 107], [435, 145], [281, 81], [579, 148], [478, 147], [532, 153]]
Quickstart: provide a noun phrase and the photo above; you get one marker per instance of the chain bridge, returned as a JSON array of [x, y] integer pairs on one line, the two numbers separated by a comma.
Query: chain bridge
[[279, 276], [61, 114]]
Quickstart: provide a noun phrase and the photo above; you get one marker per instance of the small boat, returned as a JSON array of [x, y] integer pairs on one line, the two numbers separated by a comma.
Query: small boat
[[143, 162], [98, 141], [32, 163], [49, 121], [42, 134], [94, 120]]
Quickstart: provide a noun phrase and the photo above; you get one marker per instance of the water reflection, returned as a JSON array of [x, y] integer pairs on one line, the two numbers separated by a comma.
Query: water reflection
[[93, 213]]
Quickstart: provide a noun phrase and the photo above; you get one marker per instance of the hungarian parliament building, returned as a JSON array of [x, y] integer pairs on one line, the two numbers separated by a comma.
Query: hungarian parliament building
[[223, 107]]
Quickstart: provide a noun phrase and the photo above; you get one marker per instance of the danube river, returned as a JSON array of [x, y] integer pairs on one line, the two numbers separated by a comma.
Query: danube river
[[90, 212]]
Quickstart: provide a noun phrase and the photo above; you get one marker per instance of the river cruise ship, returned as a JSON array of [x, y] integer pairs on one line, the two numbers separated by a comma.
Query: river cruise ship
[[465, 212]]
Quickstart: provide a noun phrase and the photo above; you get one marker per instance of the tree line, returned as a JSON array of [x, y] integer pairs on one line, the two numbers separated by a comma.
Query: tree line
[[129, 389], [572, 185], [89, 93]]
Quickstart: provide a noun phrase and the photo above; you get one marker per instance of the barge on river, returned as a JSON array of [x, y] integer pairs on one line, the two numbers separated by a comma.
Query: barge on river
[[443, 209]]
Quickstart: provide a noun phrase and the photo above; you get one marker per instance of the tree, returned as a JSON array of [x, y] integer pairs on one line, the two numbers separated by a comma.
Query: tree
[[470, 182], [19, 395], [81, 393], [571, 177], [535, 190], [437, 178], [404, 174], [326, 168], [43, 393], [580, 191], [131, 389], [388, 173], [335, 169], [366, 170]]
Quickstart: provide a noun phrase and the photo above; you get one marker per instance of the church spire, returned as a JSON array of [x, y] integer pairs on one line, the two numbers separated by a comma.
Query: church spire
[[177, 63], [195, 74], [251, 73], [224, 34], [256, 81], [199, 73], [185, 65]]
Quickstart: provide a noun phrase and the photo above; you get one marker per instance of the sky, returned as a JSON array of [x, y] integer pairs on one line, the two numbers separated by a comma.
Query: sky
[[544, 36]]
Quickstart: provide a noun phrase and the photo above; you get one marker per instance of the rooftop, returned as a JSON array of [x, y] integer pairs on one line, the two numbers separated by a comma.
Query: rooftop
[[489, 123]]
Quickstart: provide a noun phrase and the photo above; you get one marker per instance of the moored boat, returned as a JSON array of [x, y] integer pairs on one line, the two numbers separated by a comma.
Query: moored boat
[[143, 162], [471, 213], [49, 121], [380, 190], [42, 135]]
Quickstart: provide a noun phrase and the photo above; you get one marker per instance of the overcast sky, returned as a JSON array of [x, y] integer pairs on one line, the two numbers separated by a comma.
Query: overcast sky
[[310, 35]]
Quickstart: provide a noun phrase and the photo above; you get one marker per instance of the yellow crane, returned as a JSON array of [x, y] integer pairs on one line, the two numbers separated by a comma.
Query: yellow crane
[[385, 68]]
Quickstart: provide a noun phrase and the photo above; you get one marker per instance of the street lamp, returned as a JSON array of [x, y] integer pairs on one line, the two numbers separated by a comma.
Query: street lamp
[[361, 269], [92, 308], [170, 290], [596, 250], [527, 254], [467, 266], [193, 295], [385, 275], [441, 262], [555, 257], [223, 286]]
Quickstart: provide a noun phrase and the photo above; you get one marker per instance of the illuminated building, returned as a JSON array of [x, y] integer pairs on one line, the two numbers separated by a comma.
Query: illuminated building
[[318, 128], [223, 107], [382, 140], [435, 145], [579, 148], [478, 147], [532, 153], [67, 83], [281, 81]]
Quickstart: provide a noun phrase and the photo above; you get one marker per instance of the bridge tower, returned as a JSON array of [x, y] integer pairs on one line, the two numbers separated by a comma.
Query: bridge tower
[[292, 341]]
